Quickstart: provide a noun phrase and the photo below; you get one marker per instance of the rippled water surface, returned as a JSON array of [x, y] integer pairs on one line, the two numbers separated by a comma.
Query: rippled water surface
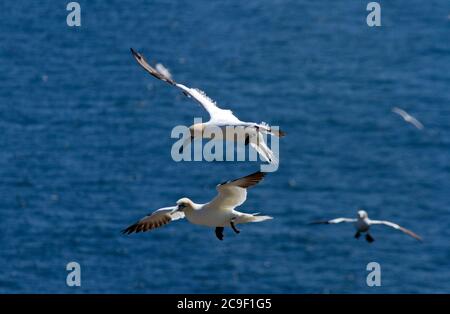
[[85, 144]]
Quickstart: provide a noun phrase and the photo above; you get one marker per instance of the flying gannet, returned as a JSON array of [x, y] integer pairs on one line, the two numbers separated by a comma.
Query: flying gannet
[[362, 224], [218, 213], [219, 118], [408, 118]]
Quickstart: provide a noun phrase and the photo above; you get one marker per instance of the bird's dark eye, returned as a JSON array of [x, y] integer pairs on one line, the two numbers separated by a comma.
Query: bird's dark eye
[[181, 206]]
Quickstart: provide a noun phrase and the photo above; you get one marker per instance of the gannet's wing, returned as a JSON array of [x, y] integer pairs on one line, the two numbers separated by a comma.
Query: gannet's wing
[[408, 118], [400, 112], [333, 221], [216, 114], [234, 193], [415, 122], [157, 219], [395, 226]]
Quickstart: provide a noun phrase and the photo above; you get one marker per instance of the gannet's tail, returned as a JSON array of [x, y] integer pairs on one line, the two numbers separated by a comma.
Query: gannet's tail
[[243, 218]]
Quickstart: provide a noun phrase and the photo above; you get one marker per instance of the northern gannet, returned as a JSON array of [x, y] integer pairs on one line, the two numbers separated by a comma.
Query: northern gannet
[[408, 118], [218, 213], [362, 224], [219, 118]]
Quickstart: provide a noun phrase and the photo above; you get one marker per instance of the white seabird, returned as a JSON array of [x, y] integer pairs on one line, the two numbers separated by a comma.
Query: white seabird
[[218, 213], [408, 118], [362, 224], [219, 118]]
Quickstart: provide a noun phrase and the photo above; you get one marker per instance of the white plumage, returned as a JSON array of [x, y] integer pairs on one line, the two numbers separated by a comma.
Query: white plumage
[[362, 224], [219, 212], [219, 117]]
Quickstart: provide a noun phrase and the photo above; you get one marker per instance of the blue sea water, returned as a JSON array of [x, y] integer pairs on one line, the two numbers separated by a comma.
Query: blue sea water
[[85, 144]]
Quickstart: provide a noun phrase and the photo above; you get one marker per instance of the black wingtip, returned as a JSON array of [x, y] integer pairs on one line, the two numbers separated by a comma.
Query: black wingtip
[[257, 173], [135, 53], [262, 174], [129, 229]]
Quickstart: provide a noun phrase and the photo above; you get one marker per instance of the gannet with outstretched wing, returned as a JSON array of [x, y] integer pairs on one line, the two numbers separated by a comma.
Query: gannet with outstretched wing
[[219, 117], [362, 224], [408, 118], [218, 213]]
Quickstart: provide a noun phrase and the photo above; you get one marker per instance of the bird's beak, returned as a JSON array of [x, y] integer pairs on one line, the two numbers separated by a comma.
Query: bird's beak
[[175, 209]]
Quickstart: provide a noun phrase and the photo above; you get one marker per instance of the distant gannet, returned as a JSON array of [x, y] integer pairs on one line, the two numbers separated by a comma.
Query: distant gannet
[[219, 118], [362, 224], [408, 118], [218, 213]]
